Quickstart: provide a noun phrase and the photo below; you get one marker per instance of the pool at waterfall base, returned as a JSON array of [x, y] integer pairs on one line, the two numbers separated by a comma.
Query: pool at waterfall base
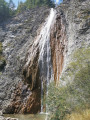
[[27, 116]]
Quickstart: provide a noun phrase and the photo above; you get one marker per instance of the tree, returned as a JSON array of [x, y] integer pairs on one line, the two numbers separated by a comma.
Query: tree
[[34, 3], [21, 7], [11, 5], [50, 3], [4, 10]]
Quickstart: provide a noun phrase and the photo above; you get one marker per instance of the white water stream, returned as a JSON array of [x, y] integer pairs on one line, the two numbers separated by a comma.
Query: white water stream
[[45, 64]]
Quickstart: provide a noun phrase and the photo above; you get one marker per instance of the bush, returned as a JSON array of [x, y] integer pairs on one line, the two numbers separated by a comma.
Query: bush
[[6, 10], [2, 59], [0, 48], [74, 96], [83, 115], [29, 4]]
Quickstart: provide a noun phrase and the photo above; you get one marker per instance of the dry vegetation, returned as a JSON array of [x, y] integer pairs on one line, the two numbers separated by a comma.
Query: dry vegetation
[[83, 115]]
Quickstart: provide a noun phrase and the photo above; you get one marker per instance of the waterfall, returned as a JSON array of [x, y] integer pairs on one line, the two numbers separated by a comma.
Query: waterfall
[[38, 69], [45, 64]]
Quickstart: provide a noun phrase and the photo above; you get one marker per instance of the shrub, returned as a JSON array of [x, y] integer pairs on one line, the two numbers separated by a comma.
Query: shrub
[[0, 48], [74, 96], [83, 115], [2, 59]]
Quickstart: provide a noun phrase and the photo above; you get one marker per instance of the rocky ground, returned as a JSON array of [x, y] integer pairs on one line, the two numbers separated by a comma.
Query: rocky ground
[[3, 118]]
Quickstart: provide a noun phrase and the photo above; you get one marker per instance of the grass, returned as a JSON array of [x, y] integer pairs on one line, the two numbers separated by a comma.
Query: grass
[[83, 115]]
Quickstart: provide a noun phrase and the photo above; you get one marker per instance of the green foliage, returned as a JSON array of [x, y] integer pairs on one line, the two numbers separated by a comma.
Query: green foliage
[[21, 7], [0, 48], [6, 9], [2, 59], [34, 3], [57, 102], [4, 12], [74, 96], [11, 6]]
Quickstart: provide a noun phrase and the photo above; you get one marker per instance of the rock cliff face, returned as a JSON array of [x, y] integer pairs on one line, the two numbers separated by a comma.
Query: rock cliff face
[[76, 18], [17, 36], [36, 52], [58, 43]]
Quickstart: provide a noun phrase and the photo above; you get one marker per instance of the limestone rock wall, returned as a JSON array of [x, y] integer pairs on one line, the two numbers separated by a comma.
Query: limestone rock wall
[[76, 18], [58, 43], [17, 36]]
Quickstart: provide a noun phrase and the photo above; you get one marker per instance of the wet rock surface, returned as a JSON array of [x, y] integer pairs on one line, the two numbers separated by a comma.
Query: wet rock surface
[[58, 43]]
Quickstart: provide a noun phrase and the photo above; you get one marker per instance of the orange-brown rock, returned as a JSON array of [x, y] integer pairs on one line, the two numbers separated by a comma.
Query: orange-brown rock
[[57, 41], [25, 101]]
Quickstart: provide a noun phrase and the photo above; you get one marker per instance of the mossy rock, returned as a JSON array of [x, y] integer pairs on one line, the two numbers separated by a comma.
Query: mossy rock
[[2, 63], [0, 48], [2, 59]]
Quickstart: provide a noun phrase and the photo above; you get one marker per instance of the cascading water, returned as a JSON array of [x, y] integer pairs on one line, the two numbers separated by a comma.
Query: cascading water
[[38, 69], [45, 64]]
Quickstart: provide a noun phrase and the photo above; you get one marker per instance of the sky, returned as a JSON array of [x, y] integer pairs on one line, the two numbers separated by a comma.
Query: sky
[[58, 1], [16, 1]]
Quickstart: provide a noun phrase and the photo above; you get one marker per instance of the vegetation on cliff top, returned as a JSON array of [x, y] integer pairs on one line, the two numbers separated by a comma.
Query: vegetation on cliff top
[[8, 9], [65, 101], [34, 3]]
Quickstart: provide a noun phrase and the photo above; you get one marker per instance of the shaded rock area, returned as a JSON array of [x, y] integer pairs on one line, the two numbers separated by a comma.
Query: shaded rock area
[[33, 104], [17, 35], [30, 70]]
